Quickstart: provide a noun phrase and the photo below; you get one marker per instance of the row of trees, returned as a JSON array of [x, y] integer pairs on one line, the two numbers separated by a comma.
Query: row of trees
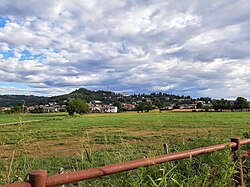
[[239, 104]]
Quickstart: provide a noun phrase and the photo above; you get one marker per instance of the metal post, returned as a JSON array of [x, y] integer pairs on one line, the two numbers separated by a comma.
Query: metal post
[[238, 177], [165, 148], [38, 178]]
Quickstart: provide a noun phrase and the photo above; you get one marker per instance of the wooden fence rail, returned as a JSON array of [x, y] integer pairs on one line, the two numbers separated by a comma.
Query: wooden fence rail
[[39, 178]]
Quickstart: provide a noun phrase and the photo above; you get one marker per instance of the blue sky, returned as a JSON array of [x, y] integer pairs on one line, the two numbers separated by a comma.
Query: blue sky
[[197, 48], [3, 21]]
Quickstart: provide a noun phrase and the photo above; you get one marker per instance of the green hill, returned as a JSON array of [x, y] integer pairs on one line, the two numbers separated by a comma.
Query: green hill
[[158, 99]]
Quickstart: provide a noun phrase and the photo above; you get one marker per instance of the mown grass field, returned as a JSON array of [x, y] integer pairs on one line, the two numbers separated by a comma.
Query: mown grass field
[[59, 141], [22, 117]]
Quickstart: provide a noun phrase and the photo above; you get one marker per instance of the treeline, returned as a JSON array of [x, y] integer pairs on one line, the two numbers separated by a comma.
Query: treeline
[[18, 100], [239, 104]]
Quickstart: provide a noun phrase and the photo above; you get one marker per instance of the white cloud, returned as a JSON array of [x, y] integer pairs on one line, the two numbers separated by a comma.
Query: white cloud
[[193, 47], [163, 88]]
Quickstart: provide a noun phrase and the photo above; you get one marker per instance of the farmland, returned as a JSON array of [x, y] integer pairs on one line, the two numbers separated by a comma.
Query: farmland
[[11, 118], [58, 141]]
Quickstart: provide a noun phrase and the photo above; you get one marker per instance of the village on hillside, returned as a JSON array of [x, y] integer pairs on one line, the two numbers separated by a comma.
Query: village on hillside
[[144, 103]]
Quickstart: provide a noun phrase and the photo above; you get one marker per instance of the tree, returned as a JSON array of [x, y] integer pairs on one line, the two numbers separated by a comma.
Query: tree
[[140, 107], [158, 103], [17, 109], [37, 110], [176, 106], [199, 105], [77, 106], [221, 104], [148, 106], [118, 105], [241, 103], [206, 108], [144, 106]]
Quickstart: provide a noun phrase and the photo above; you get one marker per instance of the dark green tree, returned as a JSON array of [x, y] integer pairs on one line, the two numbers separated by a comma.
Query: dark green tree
[[70, 108], [159, 104], [148, 106], [206, 108], [199, 105], [144, 106], [140, 107], [221, 104], [18, 109], [37, 110], [81, 106], [241, 103], [118, 105], [77, 106]]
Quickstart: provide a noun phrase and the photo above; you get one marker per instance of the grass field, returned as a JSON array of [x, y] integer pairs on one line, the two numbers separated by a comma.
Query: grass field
[[10, 118], [58, 141]]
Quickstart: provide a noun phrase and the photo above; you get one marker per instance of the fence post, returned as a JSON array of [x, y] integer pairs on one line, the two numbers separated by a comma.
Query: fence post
[[165, 148], [38, 178], [238, 177]]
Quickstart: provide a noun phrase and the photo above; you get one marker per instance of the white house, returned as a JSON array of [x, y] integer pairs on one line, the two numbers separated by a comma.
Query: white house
[[110, 109]]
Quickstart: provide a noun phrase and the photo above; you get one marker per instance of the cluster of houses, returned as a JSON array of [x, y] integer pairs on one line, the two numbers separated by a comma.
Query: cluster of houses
[[188, 106], [50, 107], [3, 109], [95, 106], [98, 106]]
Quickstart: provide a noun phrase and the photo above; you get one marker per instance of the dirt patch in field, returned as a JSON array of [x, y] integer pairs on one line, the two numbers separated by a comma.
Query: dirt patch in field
[[67, 147], [123, 131], [139, 132], [63, 147]]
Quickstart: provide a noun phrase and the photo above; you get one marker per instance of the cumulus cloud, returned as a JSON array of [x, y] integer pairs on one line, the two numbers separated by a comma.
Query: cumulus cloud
[[195, 48]]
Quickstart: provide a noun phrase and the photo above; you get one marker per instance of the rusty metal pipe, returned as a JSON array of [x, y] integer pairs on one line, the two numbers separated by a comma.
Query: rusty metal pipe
[[66, 178], [245, 154], [245, 142], [238, 176], [38, 178], [18, 184]]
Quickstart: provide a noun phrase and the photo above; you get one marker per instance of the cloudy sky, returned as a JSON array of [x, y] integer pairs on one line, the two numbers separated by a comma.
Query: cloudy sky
[[191, 47]]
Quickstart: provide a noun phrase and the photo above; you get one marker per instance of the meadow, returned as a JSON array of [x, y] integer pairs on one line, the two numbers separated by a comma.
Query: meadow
[[59, 142], [24, 117]]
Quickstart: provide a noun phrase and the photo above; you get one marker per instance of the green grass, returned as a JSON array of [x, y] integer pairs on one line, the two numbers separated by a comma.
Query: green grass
[[171, 125], [10, 118], [99, 139]]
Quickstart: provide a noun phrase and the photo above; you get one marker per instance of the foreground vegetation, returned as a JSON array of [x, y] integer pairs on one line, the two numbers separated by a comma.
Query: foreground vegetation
[[58, 142]]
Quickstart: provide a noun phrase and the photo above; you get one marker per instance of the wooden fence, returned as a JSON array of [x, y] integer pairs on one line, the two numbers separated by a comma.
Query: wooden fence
[[39, 178]]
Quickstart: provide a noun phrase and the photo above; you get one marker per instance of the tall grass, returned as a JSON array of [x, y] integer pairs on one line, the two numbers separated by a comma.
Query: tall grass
[[215, 169]]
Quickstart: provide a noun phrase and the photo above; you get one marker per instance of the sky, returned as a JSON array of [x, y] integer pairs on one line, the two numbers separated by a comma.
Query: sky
[[191, 47]]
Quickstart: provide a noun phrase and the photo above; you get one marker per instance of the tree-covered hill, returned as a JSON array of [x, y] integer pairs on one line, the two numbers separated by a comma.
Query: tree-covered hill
[[158, 99], [85, 94], [17, 100], [88, 95]]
